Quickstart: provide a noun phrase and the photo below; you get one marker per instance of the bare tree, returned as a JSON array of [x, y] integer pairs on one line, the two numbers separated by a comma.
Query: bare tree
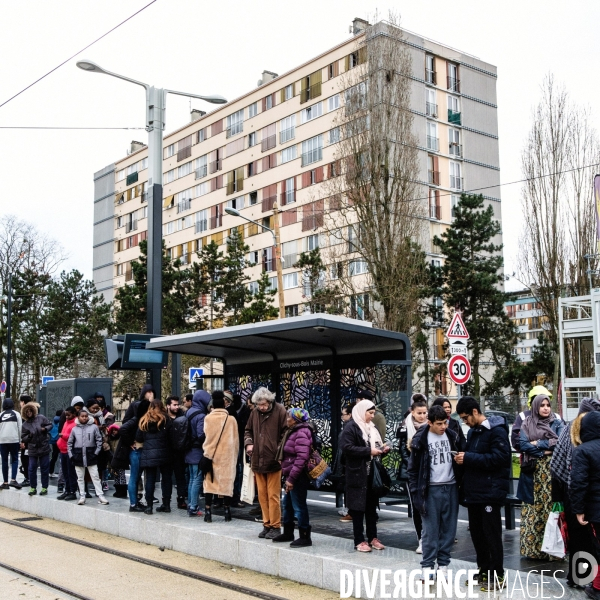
[[559, 222], [375, 214]]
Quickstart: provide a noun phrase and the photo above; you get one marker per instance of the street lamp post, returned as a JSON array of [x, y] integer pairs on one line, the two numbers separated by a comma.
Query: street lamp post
[[155, 124], [277, 243], [8, 334]]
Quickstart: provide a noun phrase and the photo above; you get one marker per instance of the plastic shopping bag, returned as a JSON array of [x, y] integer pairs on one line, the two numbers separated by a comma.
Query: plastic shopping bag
[[553, 543], [248, 490]]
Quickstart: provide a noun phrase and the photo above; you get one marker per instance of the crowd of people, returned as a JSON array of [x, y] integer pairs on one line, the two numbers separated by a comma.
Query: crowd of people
[[201, 445]]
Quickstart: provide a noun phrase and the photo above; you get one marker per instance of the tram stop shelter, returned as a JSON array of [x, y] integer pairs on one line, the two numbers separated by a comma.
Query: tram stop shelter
[[317, 362]]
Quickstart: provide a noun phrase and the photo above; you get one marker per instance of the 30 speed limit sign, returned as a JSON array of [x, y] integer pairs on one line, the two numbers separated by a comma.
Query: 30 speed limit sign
[[459, 369]]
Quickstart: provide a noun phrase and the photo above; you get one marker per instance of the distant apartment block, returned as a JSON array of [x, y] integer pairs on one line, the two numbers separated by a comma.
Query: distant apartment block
[[526, 314]]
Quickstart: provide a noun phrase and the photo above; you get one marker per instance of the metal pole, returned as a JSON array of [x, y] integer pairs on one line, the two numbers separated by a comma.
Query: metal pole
[[155, 123], [176, 374], [8, 334], [278, 261]]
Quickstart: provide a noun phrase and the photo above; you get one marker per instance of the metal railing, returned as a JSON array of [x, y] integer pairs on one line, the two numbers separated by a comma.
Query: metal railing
[[433, 143], [455, 149], [234, 129], [201, 172], [184, 152], [132, 178], [431, 110], [184, 205], [201, 225], [434, 177], [454, 117], [287, 134], [312, 156], [268, 143], [456, 183], [453, 84]]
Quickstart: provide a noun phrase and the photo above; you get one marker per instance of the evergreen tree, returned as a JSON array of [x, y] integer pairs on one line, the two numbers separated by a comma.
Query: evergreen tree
[[234, 280], [208, 276], [472, 283], [261, 307], [321, 296], [178, 306]]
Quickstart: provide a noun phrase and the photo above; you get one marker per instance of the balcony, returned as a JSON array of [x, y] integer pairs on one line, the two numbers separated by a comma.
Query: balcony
[[234, 129], [184, 205], [267, 203], [453, 84], [132, 178], [312, 156], [268, 143], [430, 77], [201, 225], [434, 177], [216, 221], [435, 212], [130, 226], [454, 117], [287, 134], [433, 143], [310, 92], [287, 197], [456, 183], [215, 165], [185, 152], [455, 149], [431, 110], [201, 172]]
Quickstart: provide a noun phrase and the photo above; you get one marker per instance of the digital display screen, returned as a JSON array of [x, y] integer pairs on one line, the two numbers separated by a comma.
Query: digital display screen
[[135, 355], [139, 354]]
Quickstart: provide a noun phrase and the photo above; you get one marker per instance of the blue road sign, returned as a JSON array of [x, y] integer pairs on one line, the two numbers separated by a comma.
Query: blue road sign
[[47, 378], [195, 374], [3, 387]]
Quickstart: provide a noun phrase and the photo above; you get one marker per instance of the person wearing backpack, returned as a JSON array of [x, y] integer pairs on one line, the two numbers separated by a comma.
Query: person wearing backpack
[[194, 440], [54, 433], [178, 433], [11, 426]]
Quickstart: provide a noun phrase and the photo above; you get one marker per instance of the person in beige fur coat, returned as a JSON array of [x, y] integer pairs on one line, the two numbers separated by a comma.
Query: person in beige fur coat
[[221, 447]]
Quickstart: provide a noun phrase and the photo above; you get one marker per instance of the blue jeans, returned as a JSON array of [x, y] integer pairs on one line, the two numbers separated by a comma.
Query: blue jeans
[[194, 486], [134, 475], [439, 525], [44, 463], [69, 473], [294, 503], [13, 449]]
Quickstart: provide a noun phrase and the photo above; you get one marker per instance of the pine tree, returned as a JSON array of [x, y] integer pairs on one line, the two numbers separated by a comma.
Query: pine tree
[[234, 280], [261, 307], [320, 294], [208, 276], [472, 282]]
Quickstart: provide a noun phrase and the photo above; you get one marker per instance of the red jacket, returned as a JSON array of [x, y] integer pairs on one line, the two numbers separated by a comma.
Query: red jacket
[[64, 435]]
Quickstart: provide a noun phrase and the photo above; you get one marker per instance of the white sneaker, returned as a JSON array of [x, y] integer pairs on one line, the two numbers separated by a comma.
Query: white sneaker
[[102, 500], [442, 571], [343, 512], [81, 500], [419, 550]]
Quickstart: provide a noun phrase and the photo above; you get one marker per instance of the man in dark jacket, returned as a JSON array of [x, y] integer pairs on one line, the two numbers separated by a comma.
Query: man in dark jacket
[[486, 463], [264, 431], [433, 482], [178, 434], [195, 416], [585, 486]]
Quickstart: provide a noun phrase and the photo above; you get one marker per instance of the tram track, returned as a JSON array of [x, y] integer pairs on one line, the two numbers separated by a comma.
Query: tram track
[[128, 556]]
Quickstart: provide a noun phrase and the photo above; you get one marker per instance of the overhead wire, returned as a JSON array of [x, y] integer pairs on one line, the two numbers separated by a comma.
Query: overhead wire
[[77, 53], [68, 128]]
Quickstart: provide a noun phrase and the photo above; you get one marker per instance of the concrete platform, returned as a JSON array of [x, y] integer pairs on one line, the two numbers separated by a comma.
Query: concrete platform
[[236, 543]]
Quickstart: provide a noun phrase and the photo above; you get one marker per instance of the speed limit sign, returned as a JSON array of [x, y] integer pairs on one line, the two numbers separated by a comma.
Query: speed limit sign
[[459, 369]]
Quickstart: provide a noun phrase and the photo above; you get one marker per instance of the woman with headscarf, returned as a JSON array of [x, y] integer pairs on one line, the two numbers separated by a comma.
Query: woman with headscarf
[[538, 437], [360, 443], [560, 467], [294, 452]]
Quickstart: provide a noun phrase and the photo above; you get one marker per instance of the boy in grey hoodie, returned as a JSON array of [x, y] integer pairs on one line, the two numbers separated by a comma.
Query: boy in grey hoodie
[[83, 446]]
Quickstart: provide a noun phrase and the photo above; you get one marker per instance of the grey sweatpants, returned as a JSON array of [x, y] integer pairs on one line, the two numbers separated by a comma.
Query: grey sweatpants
[[439, 525]]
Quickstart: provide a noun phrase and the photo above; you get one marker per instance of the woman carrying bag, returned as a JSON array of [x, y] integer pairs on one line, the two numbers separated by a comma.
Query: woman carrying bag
[[360, 443], [219, 462], [538, 437]]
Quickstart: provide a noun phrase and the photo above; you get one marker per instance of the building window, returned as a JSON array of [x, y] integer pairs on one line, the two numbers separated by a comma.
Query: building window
[[453, 81], [312, 242], [235, 123], [201, 221], [268, 102], [253, 110], [169, 150], [288, 92], [236, 203], [288, 195], [453, 204], [433, 142], [334, 135], [431, 109], [333, 70], [290, 280], [269, 139], [454, 110], [312, 112], [355, 98], [291, 311], [456, 181], [253, 198], [333, 103], [312, 150], [433, 170], [288, 154], [201, 135], [430, 75], [357, 267], [359, 306], [201, 166], [252, 139], [287, 129]]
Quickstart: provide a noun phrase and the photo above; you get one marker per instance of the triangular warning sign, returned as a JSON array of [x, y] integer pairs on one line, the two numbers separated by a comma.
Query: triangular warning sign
[[457, 328]]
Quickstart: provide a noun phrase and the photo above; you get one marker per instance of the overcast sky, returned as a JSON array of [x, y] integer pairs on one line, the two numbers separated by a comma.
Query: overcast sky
[[223, 47]]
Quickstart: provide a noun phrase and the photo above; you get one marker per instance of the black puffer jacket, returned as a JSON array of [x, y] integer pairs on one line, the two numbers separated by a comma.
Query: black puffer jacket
[[419, 470], [356, 454], [585, 470], [35, 430], [486, 464], [127, 434], [158, 444]]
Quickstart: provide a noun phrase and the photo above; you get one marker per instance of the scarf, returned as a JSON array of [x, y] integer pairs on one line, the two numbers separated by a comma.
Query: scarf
[[369, 431], [411, 429], [536, 427]]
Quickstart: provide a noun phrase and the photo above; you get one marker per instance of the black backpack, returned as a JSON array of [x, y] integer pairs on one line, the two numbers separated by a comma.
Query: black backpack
[[179, 432], [191, 440]]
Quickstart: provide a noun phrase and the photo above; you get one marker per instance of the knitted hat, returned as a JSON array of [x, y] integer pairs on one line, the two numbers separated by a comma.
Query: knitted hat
[[365, 395], [77, 400], [228, 395], [299, 415]]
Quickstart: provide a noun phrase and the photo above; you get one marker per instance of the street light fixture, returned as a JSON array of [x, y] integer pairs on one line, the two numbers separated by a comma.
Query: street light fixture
[[278, 258], [155, 124]]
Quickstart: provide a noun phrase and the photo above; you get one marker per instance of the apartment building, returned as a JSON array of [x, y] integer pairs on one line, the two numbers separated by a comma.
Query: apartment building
[[277, 143], [527, 315]]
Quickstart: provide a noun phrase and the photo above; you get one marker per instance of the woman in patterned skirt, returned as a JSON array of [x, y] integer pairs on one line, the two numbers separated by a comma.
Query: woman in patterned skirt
[[538, 437]]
